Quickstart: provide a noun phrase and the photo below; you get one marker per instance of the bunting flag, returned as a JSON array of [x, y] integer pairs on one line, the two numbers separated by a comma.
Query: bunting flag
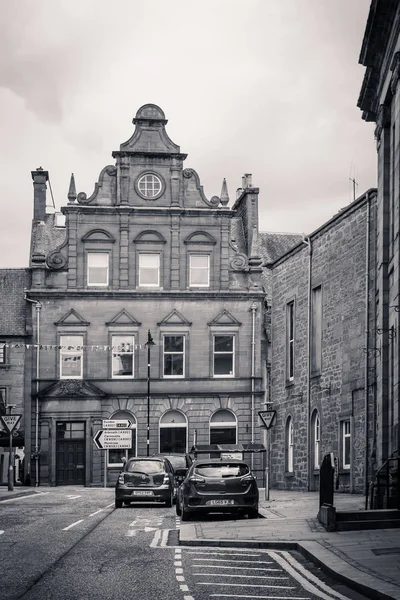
[[75, 348]]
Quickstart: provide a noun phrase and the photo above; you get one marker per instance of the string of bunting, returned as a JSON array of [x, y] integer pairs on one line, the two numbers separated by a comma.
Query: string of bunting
[[106, 347]]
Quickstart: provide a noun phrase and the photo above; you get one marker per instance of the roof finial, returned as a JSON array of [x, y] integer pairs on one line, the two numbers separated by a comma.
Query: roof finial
[[224, 193], [72, 190]]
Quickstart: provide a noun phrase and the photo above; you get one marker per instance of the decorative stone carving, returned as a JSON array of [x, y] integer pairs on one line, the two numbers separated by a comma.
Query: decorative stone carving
[[71, 387], [188, 173], [239, 262], [56, 261], [82, 197]]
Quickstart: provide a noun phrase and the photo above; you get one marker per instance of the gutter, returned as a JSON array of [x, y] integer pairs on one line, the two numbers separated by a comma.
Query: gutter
[[366, 372]]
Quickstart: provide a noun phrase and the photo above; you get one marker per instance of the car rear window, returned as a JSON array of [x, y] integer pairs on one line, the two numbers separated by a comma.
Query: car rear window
[[222, 470], [145, 466]]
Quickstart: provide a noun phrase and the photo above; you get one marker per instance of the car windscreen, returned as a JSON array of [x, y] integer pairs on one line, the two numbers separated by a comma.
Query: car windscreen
[[221, 470], [149, 467]]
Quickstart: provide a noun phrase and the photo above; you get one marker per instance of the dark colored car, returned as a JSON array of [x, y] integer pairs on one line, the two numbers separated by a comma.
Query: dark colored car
[[145, 480], [218, 485], [180, 464]]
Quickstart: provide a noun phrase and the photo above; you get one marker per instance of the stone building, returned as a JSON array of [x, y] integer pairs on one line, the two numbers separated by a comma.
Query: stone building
[[14, 355], [379, 101], [146, 257], [323, 354]]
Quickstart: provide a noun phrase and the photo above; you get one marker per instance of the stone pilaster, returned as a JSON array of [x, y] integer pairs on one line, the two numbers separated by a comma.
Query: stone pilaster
[[72, 250], [124, 251], [224, 279], [175, 254]]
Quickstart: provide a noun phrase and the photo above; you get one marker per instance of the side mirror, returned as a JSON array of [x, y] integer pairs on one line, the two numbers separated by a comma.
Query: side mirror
[[123, 459]]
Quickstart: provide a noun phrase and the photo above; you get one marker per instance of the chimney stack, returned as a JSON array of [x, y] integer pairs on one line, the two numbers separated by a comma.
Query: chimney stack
[[39, 193]]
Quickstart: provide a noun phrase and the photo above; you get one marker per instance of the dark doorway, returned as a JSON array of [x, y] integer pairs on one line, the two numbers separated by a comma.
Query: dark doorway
[[70, 453]]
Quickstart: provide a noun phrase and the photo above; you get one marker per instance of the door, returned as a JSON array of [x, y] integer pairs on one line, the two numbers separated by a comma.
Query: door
[[70, 455]]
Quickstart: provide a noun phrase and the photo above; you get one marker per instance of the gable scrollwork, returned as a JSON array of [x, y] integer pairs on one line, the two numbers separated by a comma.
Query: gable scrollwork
[[82, 198]]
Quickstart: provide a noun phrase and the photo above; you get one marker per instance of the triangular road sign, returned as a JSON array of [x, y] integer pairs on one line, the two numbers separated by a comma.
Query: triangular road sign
[[10, 422], [267, 417]]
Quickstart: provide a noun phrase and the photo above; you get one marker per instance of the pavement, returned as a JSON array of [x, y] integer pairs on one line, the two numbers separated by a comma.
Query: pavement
[[367, 561]]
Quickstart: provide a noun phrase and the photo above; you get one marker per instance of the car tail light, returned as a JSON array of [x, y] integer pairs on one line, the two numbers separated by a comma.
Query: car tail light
[[197, 479], [121, 478], [247, 479]]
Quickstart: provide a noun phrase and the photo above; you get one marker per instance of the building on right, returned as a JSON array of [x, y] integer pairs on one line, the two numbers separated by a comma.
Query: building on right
[[379, 101]]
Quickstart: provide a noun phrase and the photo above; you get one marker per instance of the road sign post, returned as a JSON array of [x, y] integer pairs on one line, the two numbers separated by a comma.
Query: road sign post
[[10, 424], [112, 439], [267, 418]]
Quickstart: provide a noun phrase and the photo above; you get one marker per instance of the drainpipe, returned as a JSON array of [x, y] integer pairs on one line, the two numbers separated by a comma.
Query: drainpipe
[[307, 241], [366, 388], [253, 309], [38, 307]]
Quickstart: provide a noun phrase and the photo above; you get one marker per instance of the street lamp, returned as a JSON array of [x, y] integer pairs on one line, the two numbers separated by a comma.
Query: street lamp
[[149, 345]]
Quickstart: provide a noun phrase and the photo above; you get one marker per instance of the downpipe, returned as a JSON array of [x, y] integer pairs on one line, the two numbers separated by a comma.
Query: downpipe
[[38, 307], [307, 241], [366, 373], [253, 309]]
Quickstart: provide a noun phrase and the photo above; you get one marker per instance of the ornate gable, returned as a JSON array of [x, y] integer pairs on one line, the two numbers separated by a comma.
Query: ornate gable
[[72, 318], [123, 318], [67, 388], [174, 318], [225, 318]]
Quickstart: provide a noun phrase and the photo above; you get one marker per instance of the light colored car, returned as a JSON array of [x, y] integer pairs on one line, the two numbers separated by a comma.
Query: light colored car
[[215, 485], [145, 480]]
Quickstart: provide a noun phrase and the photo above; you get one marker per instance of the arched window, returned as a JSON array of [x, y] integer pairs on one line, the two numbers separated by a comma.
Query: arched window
[[115, 456], [173, 432], [289, 446], [316, 434], [223, 427]]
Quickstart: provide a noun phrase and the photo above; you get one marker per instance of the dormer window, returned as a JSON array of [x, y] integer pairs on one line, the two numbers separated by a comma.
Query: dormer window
[[97, 269]]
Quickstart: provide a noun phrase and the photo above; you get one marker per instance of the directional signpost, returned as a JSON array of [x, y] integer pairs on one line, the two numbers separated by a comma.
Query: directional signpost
[[112, 439], [10, 424], [117, 423]]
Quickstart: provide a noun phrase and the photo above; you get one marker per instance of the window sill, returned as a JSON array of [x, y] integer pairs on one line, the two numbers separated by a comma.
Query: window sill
[[5, 365], [289, 383], [315, 375], [315, 472], [289, 473], [344, 471]]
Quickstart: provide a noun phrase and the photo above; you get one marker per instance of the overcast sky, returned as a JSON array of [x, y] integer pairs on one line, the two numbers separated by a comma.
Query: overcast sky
[[267, 87]]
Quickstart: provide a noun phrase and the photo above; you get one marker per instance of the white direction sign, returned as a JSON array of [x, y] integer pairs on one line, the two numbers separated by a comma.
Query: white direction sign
[[10, 422], [113, 439], [267, 417], [117, 423]]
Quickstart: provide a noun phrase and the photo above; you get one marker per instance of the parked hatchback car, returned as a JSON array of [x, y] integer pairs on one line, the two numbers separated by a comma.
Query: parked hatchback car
[[218, 485], [180, 463], [145, 480]]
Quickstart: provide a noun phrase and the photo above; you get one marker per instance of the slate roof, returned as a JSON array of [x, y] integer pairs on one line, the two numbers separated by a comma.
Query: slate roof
[[46, 237], [274, 245], [12, 303]]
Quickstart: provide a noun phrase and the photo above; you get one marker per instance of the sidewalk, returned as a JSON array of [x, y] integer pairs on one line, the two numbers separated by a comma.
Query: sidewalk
[[367, 561]]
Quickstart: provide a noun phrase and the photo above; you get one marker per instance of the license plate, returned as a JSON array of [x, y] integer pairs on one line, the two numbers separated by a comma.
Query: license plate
[[220, 502], [142, 493]]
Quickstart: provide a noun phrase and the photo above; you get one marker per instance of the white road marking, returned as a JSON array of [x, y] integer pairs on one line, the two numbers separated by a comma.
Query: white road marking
[[147, 529], [184, 588], [240, 576], [188, 598], [180, 578], [259, 562], [222, 554], [177, 563], [164, 538], [73, 497], [237, 567], [23, 497], [252, 585], [96, 513], [1, 531], [131, 532], [156, 538], [108, 505], [72, 525], [132, 524], [263, 597], [306, 579]]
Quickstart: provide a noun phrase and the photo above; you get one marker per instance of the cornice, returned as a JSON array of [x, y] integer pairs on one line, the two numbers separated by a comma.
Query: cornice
[[133, 294], [164, 155]]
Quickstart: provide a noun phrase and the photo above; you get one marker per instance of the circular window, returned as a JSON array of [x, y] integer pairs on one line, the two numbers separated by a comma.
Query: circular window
[[150, 186]]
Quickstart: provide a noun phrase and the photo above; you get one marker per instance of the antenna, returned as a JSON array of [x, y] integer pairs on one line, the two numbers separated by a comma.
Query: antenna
[[354, 187]]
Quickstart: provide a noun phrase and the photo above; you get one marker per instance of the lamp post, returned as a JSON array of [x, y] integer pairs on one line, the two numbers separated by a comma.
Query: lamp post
[[149, 345]]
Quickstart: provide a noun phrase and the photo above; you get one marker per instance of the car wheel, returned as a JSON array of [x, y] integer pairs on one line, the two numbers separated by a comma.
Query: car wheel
[[253, 514], [118, 503], [185, 516], [178, 508], [170, 501]]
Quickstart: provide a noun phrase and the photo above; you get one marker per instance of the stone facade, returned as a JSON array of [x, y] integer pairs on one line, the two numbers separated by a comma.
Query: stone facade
[[380, 102], [125, 266], [321, 352]]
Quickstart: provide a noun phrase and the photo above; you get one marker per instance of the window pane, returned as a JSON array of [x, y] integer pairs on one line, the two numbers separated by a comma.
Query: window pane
[[347, 451], [199, 261], [148, 260], [173, 439], [199, 270], [71, 366], [149, 269], [97, 268], [122, 356], [71, 356], [223, 343], [173, 364], [222, 435], [223, 364], [173, 343], [2, 353]]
